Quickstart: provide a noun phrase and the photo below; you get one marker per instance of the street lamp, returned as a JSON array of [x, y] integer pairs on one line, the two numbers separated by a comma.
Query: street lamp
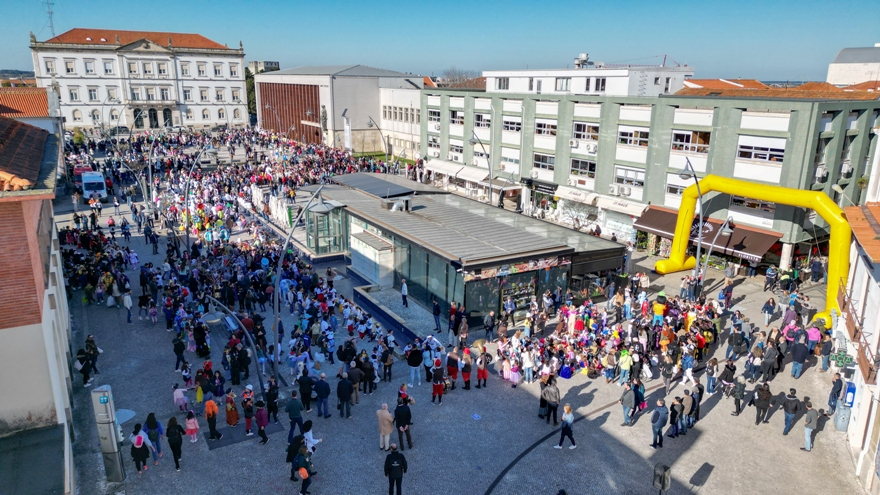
[[211, 151], [250, 341], [836, 188], [686, 174], [269, 107], [726, 231], [474, 140], [371, 123], [292, 128]]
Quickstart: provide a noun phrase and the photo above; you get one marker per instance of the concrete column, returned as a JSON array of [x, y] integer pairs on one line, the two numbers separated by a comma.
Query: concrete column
[[785, 258]]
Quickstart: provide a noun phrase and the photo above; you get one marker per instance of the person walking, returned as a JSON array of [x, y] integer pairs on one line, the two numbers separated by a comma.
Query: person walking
[[306, 383], [658, 422], [404, 292], [344, 389], [799, 354], [835, 395], [739, 391], [153, 428], [386, 427], [436, 312], [322, 389], [567, 422], [272, 399], [294, 414], [179, 349], [83, 364], [174, 434], [791, 405], [489, 323], [93, 351], [211, 413], [811, 421], [628, 401], [140, 448], [395, 467], [126, 301], [262, 417], [763, 396], [550, 394], [403, 422]]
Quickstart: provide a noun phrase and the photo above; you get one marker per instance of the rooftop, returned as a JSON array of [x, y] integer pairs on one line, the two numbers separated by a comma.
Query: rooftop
[[338, 71], [724, 83], [385, 186], [22, 147], [859, 55], [864, 86], [866, 228], [23, 102], [87, 36], [809, 91]]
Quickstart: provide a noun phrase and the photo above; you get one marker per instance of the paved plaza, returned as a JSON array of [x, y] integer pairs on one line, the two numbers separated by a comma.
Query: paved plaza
[[478, 441]]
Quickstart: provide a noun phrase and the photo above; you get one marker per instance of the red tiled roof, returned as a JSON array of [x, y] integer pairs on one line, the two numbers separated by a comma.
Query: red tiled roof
[[780, 93], [475, 83], [817, 86], [725, 83], [865, 229], [21, 154], [84, 36], [429, 83], [23, 102], [864, 86]]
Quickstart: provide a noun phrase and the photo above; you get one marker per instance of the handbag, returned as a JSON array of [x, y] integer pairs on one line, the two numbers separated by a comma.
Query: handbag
[[78, 365], [643, 405], [303, 473], [100, 351]]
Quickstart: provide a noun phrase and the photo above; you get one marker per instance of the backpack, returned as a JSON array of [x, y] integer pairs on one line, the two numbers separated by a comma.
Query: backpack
[[138, 442], [153, 435], [565, 372]]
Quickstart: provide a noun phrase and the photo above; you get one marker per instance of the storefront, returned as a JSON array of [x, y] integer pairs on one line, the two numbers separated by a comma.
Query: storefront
[[540, 198], [576, 207], [616, 217]]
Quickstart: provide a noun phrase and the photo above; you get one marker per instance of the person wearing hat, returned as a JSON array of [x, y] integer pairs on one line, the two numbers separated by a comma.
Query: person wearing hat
[[437, 381], [262, 417]]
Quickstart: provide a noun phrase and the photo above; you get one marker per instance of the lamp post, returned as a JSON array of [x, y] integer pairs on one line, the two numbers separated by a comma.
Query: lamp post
[[276, 296], [836, 188], [687, 174], [250, 342], [726, 231], [371, 123], [292, 128], [211, 151], [269, 107], [474, 140]]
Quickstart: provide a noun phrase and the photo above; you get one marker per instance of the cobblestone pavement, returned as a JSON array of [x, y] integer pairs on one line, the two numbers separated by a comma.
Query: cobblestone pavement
[[478, 440]]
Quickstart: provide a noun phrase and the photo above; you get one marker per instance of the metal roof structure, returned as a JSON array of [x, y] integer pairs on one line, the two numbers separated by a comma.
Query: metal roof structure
[[340, 71], [385, 185], [860, 55]]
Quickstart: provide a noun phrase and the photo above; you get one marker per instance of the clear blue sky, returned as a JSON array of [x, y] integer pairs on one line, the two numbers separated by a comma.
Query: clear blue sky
[[769, 40]]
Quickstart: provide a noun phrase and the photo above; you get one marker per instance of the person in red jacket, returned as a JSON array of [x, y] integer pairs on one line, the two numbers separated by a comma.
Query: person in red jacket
[[262, 417]]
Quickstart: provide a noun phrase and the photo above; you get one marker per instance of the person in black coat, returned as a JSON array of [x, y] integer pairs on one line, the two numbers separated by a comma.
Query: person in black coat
[[305, 389], [395, 467], [344, 389], [403, 422]]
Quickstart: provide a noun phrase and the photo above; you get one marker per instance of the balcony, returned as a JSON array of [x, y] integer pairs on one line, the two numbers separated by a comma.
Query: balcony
[[865, 356]]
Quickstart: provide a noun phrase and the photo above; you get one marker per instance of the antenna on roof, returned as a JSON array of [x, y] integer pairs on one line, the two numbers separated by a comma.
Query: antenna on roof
[[51, 13]]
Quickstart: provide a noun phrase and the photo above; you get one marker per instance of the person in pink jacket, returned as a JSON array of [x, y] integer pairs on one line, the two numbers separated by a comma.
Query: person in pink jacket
[[262, 421], [814, 335]]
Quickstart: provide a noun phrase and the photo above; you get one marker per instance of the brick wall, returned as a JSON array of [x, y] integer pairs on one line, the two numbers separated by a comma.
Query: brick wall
[[19, 299]]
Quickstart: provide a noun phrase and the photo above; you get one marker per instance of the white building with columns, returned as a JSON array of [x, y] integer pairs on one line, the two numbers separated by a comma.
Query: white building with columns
[[141, 79]]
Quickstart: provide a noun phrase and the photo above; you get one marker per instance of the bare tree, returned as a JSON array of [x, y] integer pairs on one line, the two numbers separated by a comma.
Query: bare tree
[[454, 75], [578, 215]]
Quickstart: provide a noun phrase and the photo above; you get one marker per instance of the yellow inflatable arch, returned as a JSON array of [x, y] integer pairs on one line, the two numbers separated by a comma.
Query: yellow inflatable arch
[[841, 233]]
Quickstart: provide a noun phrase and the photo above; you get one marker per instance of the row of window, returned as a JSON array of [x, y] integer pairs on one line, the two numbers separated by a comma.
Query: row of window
[[563, 84], [219, 94], [141, 68], [402, 114], [95, 115], [151, 94]]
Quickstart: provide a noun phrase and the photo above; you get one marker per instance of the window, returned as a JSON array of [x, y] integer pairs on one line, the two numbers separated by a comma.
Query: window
[[433, 115], [77, 116], [600, 84], [666, 87], [480, 154], [761, 153], [74, 94], [189, 115], [236, 95], [218, 70], [93, 94], [587, 132], [544, 162], [563, 83], [114, 115], [629, 176], [96, 116], [583, 168], [236, 114], [90, 67], [135, 94], [221, 115], [184, 69], [482, 120], [151, 94], [385, 112], [531, 83], [164, 94], [418, 116], [163, 68], [187, 94], [633, 137], [394, 113], [148, 68], [433, 144], [206, 115], [218, 94], [203, 94], [233, 70], [111, 93], [753, 204], [456, 148], [69, 68], [108, 67], [657, 81], [674, 189], [50, 66], [545, 129], [692, 141], [202, 70], [456, 117], [132, 68], [511, 125], [502, 83], [406, 115]]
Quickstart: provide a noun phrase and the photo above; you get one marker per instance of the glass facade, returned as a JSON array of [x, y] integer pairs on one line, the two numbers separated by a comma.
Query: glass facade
[[326, 233]]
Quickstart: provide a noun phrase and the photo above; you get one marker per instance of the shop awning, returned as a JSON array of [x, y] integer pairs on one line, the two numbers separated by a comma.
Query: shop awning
[[502, 184], [443, 167], [748, 243], [472, 174], [577, 195], [619, 205]]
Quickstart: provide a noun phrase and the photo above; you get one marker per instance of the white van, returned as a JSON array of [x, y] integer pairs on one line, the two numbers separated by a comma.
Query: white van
[[93, 184]]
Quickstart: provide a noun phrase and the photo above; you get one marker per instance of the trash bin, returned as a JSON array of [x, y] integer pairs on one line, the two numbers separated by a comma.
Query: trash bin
[[841, 417]]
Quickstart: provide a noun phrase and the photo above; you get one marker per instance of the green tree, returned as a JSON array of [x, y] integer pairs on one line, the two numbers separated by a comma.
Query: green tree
[[6, 84], [251, 91], [79, 138]]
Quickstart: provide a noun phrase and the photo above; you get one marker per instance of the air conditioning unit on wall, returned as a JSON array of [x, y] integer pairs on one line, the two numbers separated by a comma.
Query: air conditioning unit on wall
[[436, 127], [573, 143], [534, 173], [570, 182], [613, 190], [625, 190], [592, 147]]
